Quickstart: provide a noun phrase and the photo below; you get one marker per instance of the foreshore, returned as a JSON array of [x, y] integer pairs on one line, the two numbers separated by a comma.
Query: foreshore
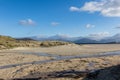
[[72, 49], [15, 56]]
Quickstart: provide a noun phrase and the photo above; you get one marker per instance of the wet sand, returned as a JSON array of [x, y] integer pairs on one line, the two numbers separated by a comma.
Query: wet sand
[[42, 70], [15, 56], [9, 58]]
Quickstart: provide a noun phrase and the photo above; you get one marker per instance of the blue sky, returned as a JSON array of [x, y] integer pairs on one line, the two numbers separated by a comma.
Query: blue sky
[[21, 18]]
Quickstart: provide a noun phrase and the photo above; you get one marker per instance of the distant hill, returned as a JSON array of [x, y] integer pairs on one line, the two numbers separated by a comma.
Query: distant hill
[[85, 40], [112, 39], [55, 37], [25, 39], [79, 40]]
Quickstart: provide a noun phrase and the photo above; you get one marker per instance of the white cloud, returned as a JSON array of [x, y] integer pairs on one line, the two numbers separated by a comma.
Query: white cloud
[[55, 23], [109, 8], [27, 22], [90, 26], [72, 8]]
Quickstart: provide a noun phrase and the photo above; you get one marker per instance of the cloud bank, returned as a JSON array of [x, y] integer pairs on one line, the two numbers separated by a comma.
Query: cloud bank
[[108, 8]]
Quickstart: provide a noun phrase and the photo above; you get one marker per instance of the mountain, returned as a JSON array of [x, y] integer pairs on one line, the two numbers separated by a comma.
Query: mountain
[[57, 37], [116, 38], [39, 38], [112, 39], [88, 39], [63, 38], [85, 40], [25, 39]]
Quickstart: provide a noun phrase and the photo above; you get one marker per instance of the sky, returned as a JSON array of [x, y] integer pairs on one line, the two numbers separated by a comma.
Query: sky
[[22, 18]]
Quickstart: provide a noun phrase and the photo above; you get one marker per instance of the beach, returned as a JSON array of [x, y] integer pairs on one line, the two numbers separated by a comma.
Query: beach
[[73, 49], [31, 70]]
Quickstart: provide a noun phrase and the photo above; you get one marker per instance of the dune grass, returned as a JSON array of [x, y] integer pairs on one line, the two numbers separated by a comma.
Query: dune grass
[[9, 42]]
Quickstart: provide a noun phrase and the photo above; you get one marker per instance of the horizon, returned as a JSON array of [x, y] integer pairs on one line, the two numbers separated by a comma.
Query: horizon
[[74, 18]]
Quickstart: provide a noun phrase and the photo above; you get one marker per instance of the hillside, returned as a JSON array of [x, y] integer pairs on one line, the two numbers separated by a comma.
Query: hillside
[[6, 42], [9, 42]]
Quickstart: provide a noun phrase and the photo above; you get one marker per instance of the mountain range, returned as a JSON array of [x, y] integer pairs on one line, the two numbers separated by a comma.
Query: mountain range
[[79, 40]]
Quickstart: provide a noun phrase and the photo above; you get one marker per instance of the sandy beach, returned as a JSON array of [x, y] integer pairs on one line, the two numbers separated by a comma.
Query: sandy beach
[[73, 49], [42, 70], [15, 56]]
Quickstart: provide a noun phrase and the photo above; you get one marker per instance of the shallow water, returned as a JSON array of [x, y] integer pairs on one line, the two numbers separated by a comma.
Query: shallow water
[[58, 57], [112, 53]]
